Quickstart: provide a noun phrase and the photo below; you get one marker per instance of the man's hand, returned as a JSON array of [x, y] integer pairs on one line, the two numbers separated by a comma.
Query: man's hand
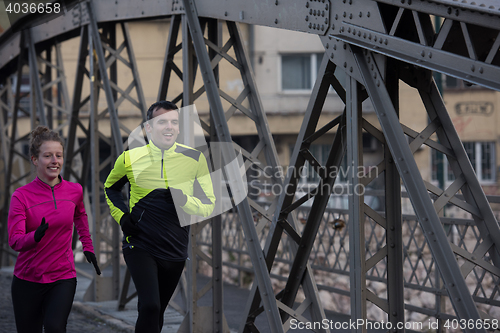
[[179, 197], [128, 225], [92, 259], [40, 231]]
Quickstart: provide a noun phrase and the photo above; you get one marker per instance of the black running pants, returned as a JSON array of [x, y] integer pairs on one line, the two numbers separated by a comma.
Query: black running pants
[[42, 304], [155, 281]]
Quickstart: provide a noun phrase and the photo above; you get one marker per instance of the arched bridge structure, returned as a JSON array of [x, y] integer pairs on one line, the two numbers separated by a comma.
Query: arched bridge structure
[[376, 43]]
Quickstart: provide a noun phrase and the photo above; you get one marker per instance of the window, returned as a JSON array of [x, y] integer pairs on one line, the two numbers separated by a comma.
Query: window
[[452, 83], [481, 156], [24, 102], [299, 71]]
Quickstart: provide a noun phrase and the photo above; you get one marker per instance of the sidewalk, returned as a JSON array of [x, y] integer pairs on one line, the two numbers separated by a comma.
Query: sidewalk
[[235, 300]]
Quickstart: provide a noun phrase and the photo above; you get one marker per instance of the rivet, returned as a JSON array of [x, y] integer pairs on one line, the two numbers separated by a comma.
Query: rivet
[[326, 7], [375, 38], [327, 46], [310, 25], [307, 5], [307, 18], [350, 69], [335, 46], [349, 29], [336, 16], [333, 27], [368, 14], [364, 35], [350, 16], [481, 70], [430, 54], [345, 14], [345, 64], [472, 68], [360, 14], [422, 53], [276, 21], [225, 14], [386, 41]]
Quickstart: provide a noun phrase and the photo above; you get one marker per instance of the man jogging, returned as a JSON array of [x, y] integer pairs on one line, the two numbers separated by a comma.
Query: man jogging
[[168, 182]]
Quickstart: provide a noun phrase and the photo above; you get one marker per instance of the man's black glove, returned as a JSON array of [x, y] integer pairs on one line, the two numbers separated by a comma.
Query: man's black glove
[[40, 231], [179, 197], [92, 259], [128, 225]]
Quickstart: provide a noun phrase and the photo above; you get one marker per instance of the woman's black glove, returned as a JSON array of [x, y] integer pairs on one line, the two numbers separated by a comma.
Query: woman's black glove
[[179, 197], [40, 231], [128, 225], [92, 259]]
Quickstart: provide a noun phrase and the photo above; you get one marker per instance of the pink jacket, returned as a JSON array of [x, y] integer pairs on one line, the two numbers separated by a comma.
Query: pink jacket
[[62, 205]]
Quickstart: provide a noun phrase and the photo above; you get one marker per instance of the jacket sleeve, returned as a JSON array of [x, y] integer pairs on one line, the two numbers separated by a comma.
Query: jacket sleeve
[[82, 224], [19, 239], [113, 186], [202, 202]]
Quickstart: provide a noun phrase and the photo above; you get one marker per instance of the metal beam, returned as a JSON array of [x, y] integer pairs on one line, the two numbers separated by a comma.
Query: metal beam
[[217, 112], [428, 218]]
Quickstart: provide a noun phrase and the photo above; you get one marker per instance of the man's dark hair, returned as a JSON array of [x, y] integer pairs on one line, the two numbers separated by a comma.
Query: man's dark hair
[[167, 105]]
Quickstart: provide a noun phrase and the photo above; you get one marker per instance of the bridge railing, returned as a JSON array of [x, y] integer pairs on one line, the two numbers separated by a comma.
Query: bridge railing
[[425, 295]]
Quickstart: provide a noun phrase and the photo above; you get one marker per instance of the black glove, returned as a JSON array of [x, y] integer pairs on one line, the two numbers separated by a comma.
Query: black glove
[[92, 259], [40, 231], [179, 197], [128, 225]]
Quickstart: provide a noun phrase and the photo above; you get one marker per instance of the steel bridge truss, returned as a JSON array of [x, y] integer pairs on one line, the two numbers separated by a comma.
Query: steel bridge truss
[[376, 43]]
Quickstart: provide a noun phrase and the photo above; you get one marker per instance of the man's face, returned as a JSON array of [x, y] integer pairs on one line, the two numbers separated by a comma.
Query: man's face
[[164, 128]]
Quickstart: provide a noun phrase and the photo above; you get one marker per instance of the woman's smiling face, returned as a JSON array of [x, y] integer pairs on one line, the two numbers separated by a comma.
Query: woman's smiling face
[[49, 162]]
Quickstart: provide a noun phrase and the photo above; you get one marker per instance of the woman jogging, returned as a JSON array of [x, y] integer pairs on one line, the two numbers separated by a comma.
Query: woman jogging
[[41, 219]]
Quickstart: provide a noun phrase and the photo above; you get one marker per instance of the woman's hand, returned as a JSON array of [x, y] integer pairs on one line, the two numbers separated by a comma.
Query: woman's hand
[[40, 231], [92, 259]]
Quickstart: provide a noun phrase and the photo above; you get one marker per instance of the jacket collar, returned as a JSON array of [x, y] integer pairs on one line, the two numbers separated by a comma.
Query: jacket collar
[[156, 150], [42, 183]]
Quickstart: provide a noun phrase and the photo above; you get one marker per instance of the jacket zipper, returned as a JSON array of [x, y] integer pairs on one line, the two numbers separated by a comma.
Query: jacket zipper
[[54, 196], [161, 171]]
